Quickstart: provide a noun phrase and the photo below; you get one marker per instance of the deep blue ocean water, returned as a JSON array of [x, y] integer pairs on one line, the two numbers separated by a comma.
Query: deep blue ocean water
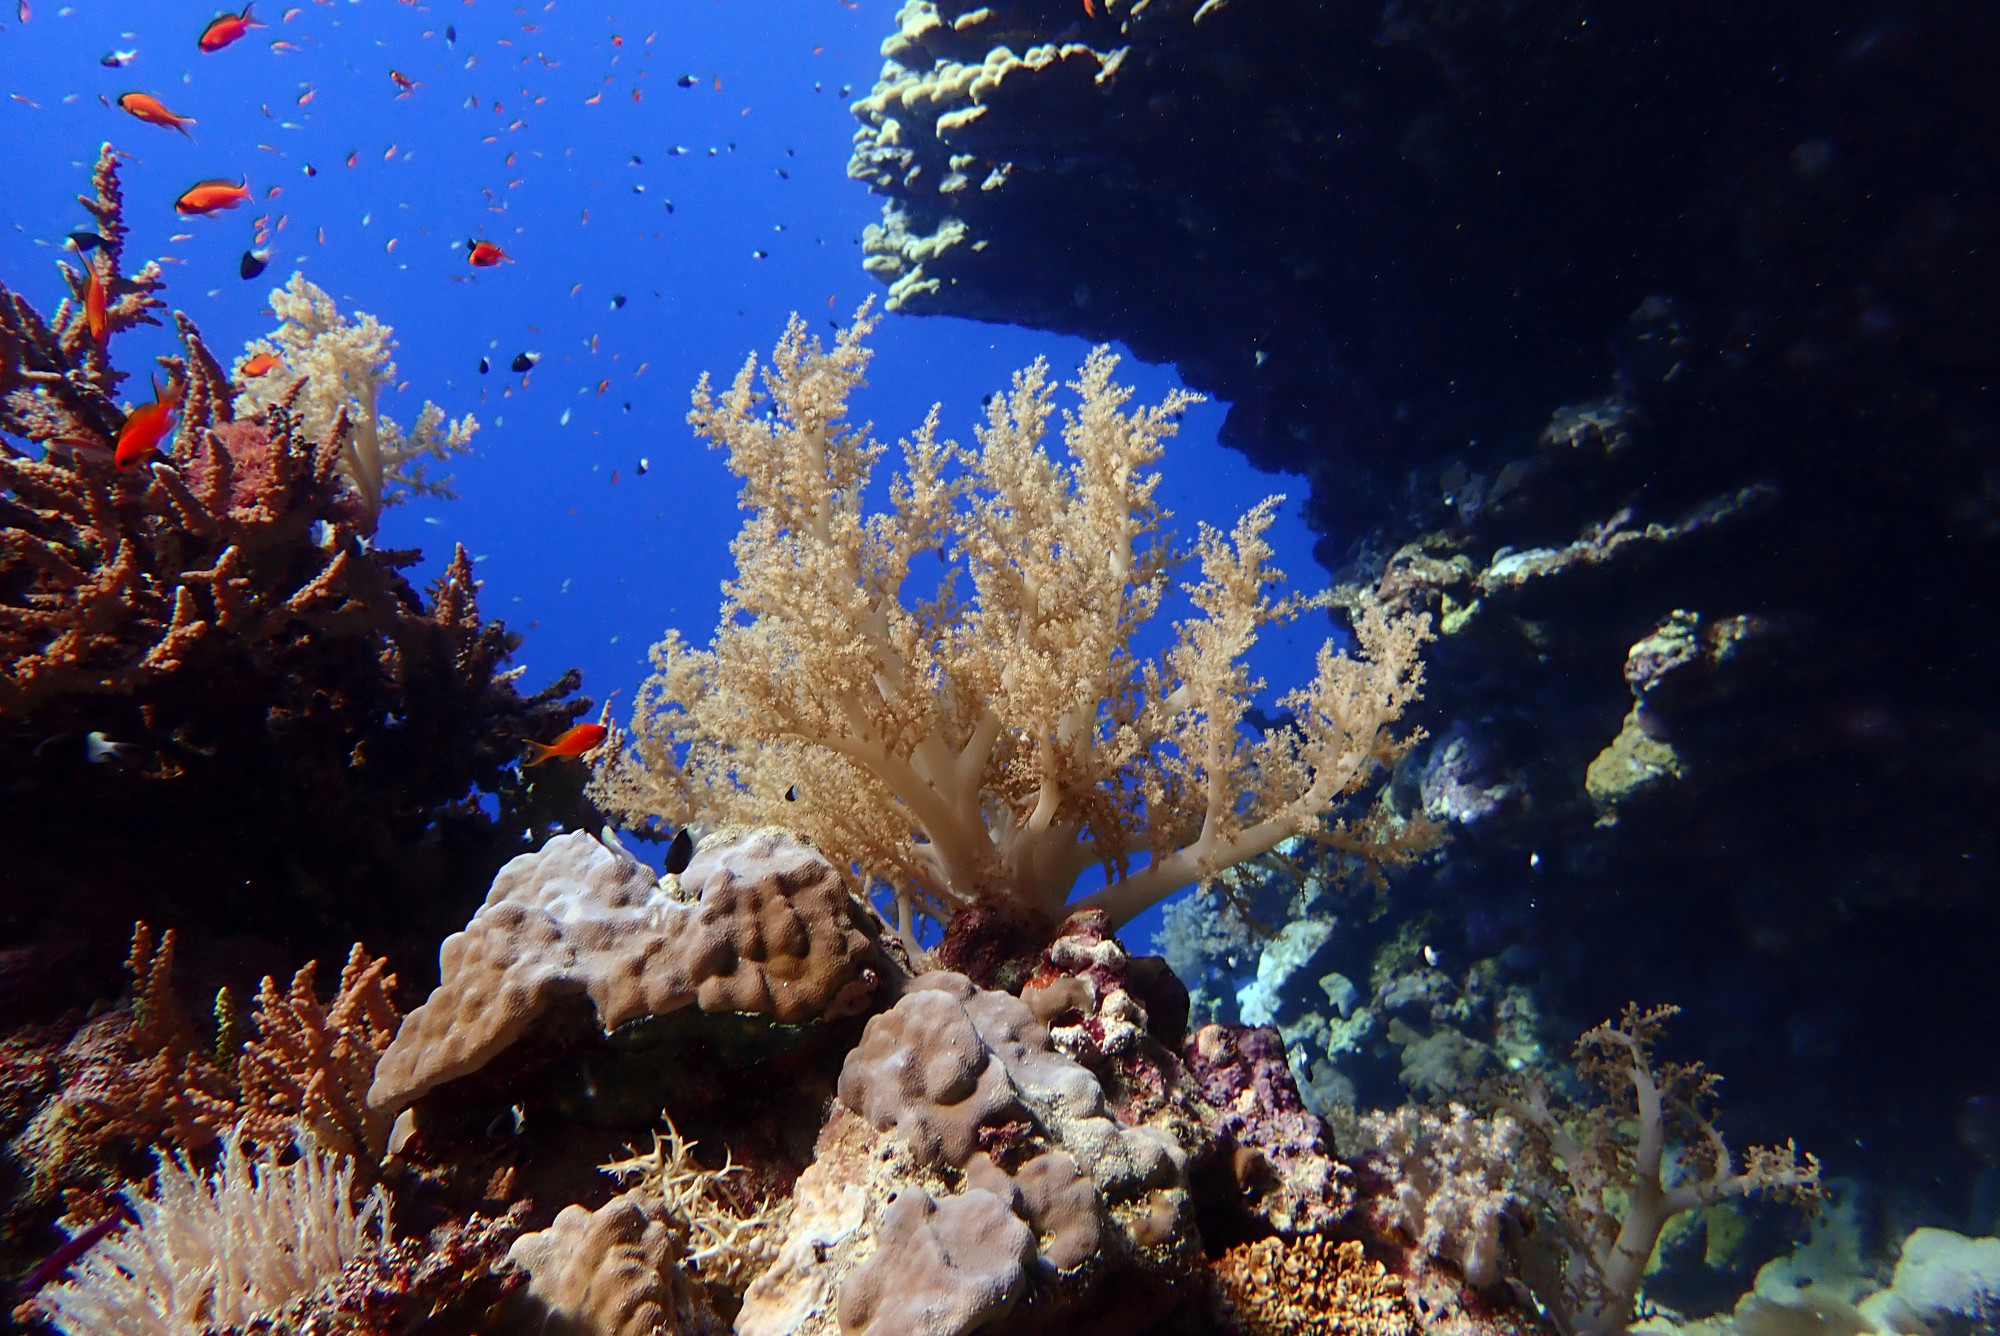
[[563, 132]]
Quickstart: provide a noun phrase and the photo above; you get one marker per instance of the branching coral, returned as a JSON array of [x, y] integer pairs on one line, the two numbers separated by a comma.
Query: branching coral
[[344, 367], [311, 1063], [1624, 1167], [209, 632], [725, 1230], [987, 750], [220, 1250]]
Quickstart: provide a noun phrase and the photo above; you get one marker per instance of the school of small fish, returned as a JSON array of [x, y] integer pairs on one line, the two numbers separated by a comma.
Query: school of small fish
[[157, 102]]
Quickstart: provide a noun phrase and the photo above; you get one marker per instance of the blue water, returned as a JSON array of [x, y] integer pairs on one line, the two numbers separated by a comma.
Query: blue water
[[549, 129]]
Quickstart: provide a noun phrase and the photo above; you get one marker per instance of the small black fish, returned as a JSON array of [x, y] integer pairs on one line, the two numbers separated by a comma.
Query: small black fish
[[617, 301], [785, 174], [484, 367], [845, 89], [637, 161], [680, 853], [117, 60], [526, 361], [670, 206], [252, 264], [311, 170], [792, 794], [644, 463], [450, 33], [760, 255], [86, 242], [687, 81]]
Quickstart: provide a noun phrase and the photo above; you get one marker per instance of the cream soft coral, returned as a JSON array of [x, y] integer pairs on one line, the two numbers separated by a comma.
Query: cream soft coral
[[987, 746]]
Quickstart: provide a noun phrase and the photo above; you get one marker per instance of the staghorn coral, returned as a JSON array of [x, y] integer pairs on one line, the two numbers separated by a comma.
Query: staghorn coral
[[209, 632], [758, 922], [220, 1249], [1310, 1284], [311, 1064], [727, 1233], [1616, 1184], [337, 370], [986, 750]]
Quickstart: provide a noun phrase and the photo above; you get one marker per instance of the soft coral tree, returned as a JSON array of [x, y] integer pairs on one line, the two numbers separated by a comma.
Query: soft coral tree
[[986, 748]]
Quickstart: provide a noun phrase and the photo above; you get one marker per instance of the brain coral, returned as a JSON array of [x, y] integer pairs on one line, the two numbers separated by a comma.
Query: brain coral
[[759, 922]]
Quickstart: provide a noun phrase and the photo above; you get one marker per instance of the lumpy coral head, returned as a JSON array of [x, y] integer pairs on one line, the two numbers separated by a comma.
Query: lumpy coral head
[[989, 745], [766, 927]]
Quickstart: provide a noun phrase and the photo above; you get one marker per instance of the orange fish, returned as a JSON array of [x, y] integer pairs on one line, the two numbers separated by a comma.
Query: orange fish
[[263, 364], [1088, 11], [145, 426], [213, 197], [404, 81], [484, 255], [226, 28], [154, 112], [575, 742], [93, 307]]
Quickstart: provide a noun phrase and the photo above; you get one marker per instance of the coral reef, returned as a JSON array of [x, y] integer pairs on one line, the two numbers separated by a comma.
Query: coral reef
[[726, 1232], [985, 751], [454, 1282], [311, 1064], [757, 923], [1576, 370], [211, 631], [968, 1168], [221, 1249], [1297, 1287], [1278, 1151]]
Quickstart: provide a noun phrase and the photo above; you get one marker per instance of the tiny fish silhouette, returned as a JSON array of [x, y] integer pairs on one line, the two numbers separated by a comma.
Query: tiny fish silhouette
[[525, 362], [680, 853], [252, 264]]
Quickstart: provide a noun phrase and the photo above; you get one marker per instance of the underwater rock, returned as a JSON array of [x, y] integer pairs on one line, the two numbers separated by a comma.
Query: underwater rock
[[759, 923], [1279, 1151]]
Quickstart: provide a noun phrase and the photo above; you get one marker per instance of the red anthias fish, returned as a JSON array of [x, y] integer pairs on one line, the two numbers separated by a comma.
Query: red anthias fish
[[93, 307], [146, 426], [263, 364], [484, 255], [154, 112], [575, 742], [213, 197], [226, 28]]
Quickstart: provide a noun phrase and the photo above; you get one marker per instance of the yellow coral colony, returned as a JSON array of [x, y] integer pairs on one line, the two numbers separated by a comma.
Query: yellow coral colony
[[986, 747]]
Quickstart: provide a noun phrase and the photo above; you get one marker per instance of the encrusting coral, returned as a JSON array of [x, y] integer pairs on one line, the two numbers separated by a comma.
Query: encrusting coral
[[210, 630], [1616, 1184], [344, 367], [1308, 1285], [223, 1249], [985, 750]]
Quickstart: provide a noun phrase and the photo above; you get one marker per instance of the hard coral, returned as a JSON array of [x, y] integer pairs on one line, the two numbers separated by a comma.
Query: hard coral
[[989, 750], [1278, 1149], [1308, 1285], [311, 1063], [727, 1233], [959, 1122], [611, 1272], [758, 923], [206, 634]]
